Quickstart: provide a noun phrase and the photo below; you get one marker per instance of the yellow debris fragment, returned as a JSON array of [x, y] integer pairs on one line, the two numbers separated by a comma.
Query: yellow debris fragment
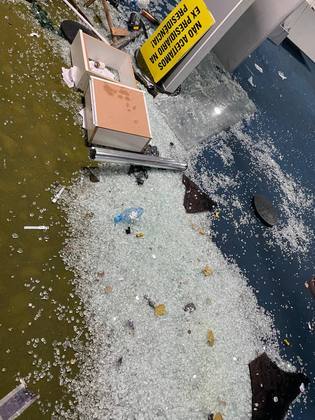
[[207, 271], [201, 231], [286, 342], [108, 289], [210, 337], [160, 310], [218, 416], [140, 235], [216, 215]]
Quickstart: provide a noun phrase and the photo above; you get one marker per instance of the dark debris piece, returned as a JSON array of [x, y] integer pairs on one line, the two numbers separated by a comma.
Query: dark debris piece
[[190, 307], [70, 28], [119, 361], [152, 150], [311, 286], [195, 200], [131, 324], [13, 404], [128, 230], [150, 301], [92, 173], [139, 172], [273, 389], [265, 210], [42, 16]]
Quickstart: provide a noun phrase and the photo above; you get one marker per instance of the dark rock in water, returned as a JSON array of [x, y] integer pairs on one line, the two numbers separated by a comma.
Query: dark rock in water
[[273, 389], [265, 210], [70, 28], [195, 200], [190, 307]]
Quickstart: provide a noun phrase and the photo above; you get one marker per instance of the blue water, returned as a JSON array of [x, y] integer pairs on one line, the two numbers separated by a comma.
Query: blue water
[[286, 114]]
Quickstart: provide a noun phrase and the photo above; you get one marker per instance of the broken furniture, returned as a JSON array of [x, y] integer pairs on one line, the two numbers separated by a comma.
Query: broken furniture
[[117, 156], [116, 116], [253, 27], [225, 13], [86, 50]]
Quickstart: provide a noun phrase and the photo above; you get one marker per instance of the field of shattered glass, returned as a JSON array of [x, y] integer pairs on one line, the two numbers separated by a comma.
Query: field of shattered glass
[[77, 299]]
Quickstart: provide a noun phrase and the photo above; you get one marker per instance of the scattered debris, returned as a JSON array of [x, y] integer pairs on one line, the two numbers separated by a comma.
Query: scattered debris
[[70, 28], [92, 175], [281, 74], [134, 23], [128, 230], [18, 400], [190, 307], [68, 76], [150, 301], [259, 68], [286, 342], [131, 325], [218, 416], [251, 81], [58, 195], [152, 19], [207, 271], [100, 274], [139, 235], [36, 227], [119, 361], [108, 289], [160, 310], [34, 34], [216, 215], [273, 389], [123, 42], [210, 338], [195, 200], [115, 31], [130, 215], [201, 231], [84, 19], [99, 68]]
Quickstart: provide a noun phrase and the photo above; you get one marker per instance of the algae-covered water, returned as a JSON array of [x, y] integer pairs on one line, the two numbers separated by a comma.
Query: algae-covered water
[[40, 144]]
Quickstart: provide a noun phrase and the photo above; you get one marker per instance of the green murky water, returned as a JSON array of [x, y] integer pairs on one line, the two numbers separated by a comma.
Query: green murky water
[[39, 145]]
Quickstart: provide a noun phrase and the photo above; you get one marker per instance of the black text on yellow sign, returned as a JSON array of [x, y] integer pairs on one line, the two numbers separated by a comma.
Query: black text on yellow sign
[[175, 36]]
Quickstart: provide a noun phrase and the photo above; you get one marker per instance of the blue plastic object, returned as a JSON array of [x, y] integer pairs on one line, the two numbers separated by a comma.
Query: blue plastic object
[[129, 216]]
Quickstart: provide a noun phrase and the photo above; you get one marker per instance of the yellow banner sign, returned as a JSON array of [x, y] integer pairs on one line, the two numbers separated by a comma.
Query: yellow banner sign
[[175, 36]]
